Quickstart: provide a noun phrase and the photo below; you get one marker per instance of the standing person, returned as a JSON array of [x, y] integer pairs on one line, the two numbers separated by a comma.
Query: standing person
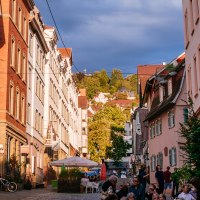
[[167, 179], [175, 180], [137, 189], [143, 176], [159, 175], [109, 187]]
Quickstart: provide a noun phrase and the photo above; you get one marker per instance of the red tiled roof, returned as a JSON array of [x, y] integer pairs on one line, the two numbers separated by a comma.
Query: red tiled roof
[[48, 27], [65, 52], [144, 72], [181, 57], [82, 102], [121, 103]]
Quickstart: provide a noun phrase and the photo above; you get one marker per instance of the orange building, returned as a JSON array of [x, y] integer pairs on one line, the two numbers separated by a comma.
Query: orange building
[[13, 67]]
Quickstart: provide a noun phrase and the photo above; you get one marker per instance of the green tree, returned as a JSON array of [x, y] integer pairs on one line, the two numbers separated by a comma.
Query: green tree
[[99, 130], [103, 79], [119, 147], [190, 131]]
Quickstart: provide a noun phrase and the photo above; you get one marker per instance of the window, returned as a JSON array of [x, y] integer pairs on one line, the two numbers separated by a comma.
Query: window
[[29, 113], [172, 156], [12, 57], [24, 67], [14, 10], [11, 98], [171, 119], [186, 29], [158, 127], [153, 163], [189, 81], [37, 87], [191, 18], [24, 28], [195, 8], [29, 77], [17, 103], [23, 109], [160, 159], [20, 20], [195, 77], [31, 44], [38, 55], [18, 60], [185, 115], [36, 120], [169, 83], [161, 93]]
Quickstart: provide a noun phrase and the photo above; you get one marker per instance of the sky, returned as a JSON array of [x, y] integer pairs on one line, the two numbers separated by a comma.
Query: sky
[[120, 34]]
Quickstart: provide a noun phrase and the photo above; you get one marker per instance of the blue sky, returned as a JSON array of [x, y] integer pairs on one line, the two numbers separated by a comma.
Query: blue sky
[[122, 34]]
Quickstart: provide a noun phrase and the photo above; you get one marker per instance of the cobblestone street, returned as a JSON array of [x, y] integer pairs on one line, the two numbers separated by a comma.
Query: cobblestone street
[[46, 194]]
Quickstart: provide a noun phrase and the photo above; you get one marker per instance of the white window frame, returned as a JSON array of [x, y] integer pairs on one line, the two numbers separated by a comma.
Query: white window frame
[[153, 163], [171, 119]]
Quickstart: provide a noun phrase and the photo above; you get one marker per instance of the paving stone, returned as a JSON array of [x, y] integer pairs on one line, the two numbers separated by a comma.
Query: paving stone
[[46, 194]]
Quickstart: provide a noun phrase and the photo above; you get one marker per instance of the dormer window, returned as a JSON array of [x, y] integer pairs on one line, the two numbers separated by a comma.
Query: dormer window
[[169, 85], [161, 93]]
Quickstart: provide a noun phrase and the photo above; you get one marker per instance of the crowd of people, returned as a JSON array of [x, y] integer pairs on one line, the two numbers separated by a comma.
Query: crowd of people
[[166, 187]]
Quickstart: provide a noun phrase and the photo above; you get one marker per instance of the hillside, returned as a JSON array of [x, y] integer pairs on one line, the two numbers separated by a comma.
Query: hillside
[[116, 85]]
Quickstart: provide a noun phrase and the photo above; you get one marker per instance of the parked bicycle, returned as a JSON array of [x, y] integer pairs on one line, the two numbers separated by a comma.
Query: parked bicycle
[[7, 185]]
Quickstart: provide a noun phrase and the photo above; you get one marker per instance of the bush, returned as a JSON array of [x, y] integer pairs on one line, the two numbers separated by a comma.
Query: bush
[[69, 180]]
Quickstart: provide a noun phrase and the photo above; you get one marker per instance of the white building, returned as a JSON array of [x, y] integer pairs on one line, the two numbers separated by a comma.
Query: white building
[[35, 97], [83, 127]]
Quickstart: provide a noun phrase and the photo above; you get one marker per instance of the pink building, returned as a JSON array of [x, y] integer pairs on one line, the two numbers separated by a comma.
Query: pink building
[[191, 14], [164, 94]]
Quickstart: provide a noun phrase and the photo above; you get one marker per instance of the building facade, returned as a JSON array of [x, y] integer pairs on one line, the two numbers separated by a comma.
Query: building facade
[[13, 75], [191, 14], [35, 97], [166, 102]]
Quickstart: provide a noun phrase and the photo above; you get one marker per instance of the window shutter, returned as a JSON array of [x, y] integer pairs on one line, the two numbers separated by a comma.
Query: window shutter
[[169, 124], [185, 115], [170, 157], [161, 160], [175, 157], [151, 163], [158, 163]]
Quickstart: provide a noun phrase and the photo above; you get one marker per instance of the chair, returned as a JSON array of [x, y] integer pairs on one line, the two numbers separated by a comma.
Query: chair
[[96, 187], [90, 186]]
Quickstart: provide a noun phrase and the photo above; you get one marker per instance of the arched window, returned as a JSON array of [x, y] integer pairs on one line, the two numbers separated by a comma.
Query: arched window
[[23, 108], [11, 98], [17, 103]]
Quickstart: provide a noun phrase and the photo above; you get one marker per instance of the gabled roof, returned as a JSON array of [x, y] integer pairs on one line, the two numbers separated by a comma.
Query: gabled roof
[[146, 71], [158, 107]]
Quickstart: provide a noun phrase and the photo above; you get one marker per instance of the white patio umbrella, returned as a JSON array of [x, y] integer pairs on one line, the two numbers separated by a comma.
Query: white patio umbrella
[[74, 162]]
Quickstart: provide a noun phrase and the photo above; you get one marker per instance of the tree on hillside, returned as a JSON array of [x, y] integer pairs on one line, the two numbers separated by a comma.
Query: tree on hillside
[[92, 86], [99, 130], [103, 79], [116, 80]]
